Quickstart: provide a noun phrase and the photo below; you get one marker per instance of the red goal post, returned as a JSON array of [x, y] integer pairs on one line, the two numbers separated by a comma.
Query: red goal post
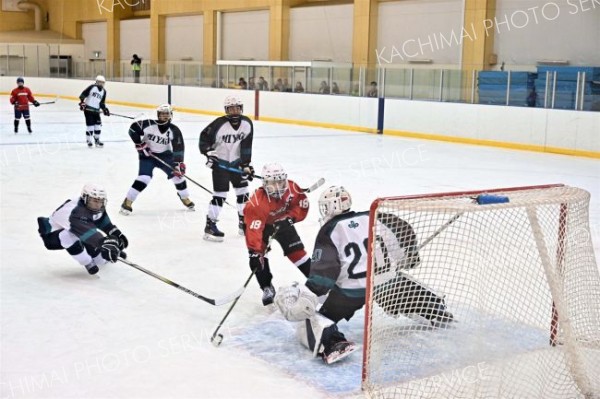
[[487, 262]]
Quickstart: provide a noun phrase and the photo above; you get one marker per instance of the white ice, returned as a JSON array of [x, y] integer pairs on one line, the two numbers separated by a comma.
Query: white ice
[[121, 333]]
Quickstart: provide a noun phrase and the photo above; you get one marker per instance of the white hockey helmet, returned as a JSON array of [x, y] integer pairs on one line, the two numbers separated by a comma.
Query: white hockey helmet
[[100, 80], [94, 197], [164, 114], [334, 201], [275, 180], [234, 108]]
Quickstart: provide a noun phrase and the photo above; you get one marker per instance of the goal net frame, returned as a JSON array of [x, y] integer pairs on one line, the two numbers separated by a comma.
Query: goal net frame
[[559, 328]]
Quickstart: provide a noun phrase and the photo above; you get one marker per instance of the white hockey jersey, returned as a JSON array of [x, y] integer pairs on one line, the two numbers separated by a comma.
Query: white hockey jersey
[[94, 97], [340, 255]]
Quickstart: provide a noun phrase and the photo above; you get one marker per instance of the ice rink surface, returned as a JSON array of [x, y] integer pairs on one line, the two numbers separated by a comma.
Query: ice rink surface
[[123, 334]]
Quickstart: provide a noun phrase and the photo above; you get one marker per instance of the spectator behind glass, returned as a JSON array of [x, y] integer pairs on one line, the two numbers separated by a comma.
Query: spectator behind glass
[[373, 90], [262, 84], [251, 84], [242, 83], [335, 89], [324, 89], [278, 85], [136, 67], [286, 86], [299, 88]]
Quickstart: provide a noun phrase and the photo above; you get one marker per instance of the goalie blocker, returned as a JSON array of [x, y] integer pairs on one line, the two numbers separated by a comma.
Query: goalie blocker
[[338, 270]]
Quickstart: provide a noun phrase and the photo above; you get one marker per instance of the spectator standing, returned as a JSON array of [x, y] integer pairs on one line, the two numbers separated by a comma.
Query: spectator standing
[[136, 67]]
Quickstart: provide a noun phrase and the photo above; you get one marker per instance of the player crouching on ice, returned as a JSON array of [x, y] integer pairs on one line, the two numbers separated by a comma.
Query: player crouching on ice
[[159, 143], [272, 212], [78, 226], [339, 269]]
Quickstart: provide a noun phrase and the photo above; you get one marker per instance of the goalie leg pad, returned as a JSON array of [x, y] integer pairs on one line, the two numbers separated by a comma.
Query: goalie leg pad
[[310, 332]]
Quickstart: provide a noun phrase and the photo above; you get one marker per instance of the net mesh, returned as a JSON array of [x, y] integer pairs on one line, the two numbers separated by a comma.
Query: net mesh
[[495, 300]]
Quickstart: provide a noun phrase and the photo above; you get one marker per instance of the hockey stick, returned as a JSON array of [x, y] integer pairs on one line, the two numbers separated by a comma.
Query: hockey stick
[[188, 178], [215, 302], [122, 116], [481, 199], [238, 171], [216, 338], [50, 102], [316, 185]]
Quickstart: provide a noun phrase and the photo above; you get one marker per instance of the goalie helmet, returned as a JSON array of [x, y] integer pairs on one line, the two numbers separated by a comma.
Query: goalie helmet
[[334, 201], [21, 81], [100, 80], [234, 108], [94, 197], [274, 180], [164, 114]]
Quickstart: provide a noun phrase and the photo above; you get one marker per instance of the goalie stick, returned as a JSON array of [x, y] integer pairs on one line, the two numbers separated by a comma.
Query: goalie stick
[[215, 302]]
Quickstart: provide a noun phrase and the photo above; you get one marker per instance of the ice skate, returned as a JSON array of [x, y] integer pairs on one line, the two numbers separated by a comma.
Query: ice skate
[[338, 351], [126, 207], [268, 295], [212, 232], [99, 144], [91, 268], [188, 203]]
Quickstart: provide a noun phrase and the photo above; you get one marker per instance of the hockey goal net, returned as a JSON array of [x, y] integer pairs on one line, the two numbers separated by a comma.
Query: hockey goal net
[[491, 294]]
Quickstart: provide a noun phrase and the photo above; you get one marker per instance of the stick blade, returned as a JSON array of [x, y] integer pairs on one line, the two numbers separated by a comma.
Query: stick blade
[[229, 298], [316, 185]]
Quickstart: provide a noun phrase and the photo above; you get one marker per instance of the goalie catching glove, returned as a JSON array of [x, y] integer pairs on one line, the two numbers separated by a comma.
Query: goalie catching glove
[[296, 302]]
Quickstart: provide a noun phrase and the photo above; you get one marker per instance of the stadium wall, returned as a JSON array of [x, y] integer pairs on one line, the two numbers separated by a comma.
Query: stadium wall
[[534, 129]]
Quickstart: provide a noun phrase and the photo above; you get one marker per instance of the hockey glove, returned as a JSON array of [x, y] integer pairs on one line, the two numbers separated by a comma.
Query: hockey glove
[[143, 149], [106, 111], [110, 249], [284, 223], [123, 241], [36, 104], [82, 106], [257, 261], [179, 169], [211, 159], [248, 172]]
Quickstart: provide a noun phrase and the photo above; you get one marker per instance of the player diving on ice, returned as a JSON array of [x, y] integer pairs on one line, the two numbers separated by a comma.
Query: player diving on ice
[[82, 227], [339, 270], [155, 141]]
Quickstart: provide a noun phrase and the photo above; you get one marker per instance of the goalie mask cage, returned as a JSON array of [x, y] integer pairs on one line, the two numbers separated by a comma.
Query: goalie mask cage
[[518, 280]]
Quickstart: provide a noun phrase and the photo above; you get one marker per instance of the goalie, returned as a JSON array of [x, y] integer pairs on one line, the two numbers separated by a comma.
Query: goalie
[[339, 269]]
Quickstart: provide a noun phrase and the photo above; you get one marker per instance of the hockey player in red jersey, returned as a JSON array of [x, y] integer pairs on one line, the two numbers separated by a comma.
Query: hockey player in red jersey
[[273, 210], [20, 98]]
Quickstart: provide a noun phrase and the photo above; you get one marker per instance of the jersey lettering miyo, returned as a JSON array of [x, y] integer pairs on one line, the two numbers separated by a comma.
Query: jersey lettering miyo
[[159, 138], [231, 146], [94, 97]]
